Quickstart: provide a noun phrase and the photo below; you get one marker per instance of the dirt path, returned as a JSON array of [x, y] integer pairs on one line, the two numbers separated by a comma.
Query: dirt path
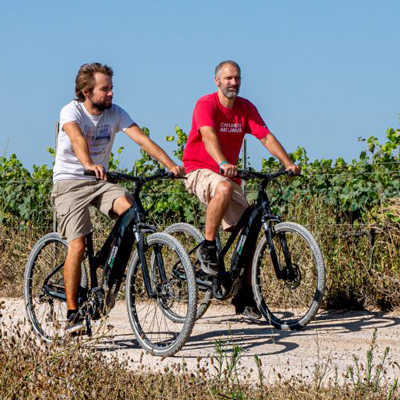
[[323, 350]]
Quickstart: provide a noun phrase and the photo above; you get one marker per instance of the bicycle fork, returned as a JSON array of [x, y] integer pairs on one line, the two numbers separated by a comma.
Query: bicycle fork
[[157, 265], [285, 273]]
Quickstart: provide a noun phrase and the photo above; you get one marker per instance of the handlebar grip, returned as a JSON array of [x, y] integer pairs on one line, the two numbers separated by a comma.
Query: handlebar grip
[[89, 172], [160, 175], [280, 173], [170, 175]]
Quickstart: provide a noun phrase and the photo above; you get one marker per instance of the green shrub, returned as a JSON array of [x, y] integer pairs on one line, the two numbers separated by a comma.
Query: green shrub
[[348, 206]]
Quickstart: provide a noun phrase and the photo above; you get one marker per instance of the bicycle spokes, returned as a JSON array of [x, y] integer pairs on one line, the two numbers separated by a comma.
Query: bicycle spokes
[[162, 321], [290, 290]]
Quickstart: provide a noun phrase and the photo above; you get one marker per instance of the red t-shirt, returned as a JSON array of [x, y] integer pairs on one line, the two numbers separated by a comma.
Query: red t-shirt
[[230, 126]]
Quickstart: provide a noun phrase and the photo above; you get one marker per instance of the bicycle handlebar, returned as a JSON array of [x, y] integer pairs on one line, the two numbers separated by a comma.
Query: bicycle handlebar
[[246, 174], [118, 176]]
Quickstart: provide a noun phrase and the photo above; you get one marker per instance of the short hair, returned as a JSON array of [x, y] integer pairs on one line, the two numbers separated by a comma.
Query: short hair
[[85, 79], [222, 63]]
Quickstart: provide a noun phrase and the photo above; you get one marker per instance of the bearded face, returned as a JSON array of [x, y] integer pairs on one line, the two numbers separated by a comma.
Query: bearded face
[[102, 94], [228, 81]]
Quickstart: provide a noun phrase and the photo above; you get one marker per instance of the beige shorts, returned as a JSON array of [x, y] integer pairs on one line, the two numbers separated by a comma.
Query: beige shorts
[[203, 183], [72, 199]]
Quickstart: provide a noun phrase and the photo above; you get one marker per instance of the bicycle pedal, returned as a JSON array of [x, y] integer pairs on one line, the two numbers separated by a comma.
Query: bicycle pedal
[[204, 283]]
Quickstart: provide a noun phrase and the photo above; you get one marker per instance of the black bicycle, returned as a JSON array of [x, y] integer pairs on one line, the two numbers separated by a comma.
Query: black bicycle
[[154, 296], [288, 271]]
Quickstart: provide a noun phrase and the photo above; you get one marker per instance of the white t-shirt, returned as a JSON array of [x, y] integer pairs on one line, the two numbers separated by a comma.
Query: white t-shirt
[[98, 130]]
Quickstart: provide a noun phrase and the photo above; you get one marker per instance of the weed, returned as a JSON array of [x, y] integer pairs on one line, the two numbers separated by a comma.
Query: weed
[[227, 360], [77, 370], [368, 376], [258, 362], [392, 389]]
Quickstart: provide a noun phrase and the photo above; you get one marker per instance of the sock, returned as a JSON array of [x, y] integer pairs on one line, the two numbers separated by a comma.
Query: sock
[[70, 312], [209, 243]]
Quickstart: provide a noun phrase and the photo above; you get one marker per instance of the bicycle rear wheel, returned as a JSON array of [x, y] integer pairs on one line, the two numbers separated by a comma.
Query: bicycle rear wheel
[[289, 303], [44, 292], [151, 321], [190, 237]]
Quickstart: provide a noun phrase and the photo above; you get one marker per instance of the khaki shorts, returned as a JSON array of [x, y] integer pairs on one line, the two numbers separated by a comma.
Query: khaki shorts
[[203, 183], [72, 199]]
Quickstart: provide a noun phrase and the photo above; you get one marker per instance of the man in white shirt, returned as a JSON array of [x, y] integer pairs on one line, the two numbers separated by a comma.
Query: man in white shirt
[[87, 130]]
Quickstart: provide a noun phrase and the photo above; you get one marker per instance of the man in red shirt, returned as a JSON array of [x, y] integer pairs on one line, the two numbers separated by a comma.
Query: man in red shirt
[[220, 121]]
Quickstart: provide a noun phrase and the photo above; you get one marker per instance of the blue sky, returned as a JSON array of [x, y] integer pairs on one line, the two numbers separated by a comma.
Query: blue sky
[[320, 73]]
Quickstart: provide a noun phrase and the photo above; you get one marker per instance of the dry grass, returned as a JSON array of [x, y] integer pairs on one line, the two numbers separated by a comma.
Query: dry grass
[[362, 260], [15, 246], [76, 370], [363, 263]]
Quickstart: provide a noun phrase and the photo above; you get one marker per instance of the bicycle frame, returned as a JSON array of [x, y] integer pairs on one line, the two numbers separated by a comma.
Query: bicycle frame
[[253, 219], [128, 230], [268, 220]]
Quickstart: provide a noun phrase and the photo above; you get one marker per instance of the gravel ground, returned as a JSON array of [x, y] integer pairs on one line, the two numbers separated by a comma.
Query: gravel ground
[[321, 352]]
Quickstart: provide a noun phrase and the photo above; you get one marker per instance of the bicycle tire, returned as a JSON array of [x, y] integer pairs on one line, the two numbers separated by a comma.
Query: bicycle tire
[[190, 237], [46, 314], [146, 315], [290, 304]]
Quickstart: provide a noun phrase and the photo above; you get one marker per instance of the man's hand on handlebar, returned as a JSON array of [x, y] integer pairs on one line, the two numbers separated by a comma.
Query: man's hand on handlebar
[[295, 169], [98, 170], [229, 170], [178, 170]]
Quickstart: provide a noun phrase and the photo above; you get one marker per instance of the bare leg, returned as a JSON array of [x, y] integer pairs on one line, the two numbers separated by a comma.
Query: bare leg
[[216, 209], [72, 271], [215, 212], [121, 204], [76, 250]]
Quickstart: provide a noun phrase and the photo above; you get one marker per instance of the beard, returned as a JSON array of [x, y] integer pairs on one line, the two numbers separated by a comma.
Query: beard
[[229, 93], [105, 105]]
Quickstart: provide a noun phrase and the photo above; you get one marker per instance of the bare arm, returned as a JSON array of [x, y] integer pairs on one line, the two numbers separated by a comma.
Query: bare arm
[[146, 144], [213, 148], [81, 149], [276, 149]]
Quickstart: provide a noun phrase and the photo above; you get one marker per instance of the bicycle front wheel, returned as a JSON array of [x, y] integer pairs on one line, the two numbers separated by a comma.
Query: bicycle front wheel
[[190, 237], [44, 292], [150, 317], [290, 302]]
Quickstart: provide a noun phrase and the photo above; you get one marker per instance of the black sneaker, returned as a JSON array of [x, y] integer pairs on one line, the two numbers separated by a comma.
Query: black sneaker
[[76, 324], [252, 312], [245, 304], [209, 260]]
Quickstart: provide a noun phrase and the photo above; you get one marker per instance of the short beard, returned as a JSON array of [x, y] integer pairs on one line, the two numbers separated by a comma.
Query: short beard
[[102, 106], [230, 95]]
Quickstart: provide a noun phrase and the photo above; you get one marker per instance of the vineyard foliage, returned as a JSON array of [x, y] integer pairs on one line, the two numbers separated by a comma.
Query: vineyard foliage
[[354, 188], [352, 209]]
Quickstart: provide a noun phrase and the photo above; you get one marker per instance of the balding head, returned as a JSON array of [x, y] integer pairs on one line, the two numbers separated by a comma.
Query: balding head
[[222, 63], [228, 80]]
